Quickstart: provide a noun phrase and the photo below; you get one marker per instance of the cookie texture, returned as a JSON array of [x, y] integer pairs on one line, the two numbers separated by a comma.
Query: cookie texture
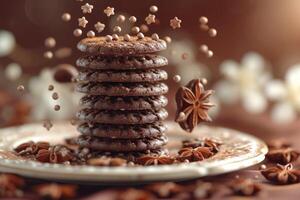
[[121, 117], [119, 145], [134, 46], [122, 89], [122, 131], [124, 103], [121, 62], [150, 75]]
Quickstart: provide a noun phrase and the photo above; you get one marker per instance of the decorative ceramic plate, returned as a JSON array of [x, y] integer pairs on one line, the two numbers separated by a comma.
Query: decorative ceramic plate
[[238, 150]]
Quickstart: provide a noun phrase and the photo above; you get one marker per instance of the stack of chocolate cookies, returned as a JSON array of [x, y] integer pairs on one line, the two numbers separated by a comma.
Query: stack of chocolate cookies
[[123, 106]]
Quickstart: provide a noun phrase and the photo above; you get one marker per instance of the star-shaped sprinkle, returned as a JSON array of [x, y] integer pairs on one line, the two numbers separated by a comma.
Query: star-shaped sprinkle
[[150, 19], [87, 8], [99, 27], [82, 22], [109, 11], [175, 23]]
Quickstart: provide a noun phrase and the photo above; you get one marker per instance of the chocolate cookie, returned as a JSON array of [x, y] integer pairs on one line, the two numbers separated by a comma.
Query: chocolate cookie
[[150, 75], [119, 145], [99, 45], [122, 131], [122, 89], [121, 117], [124, 103], [121, 62]]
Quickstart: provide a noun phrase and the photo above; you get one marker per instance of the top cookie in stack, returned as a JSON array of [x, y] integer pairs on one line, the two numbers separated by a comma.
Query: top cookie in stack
[[124, 104]]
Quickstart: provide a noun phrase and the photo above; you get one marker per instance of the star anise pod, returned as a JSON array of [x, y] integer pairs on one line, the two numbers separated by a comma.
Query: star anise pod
[[31, 148], [194, 154], [213, 145], [56, 191], [106, 161], [10, 185], [55, 154], [280, 174], [155, 160], [193, 101], [283, 156], [244, 187], [135, 194], [166, 190]]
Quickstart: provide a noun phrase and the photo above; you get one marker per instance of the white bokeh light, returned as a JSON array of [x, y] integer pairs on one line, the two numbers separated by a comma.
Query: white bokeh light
[[7, 43]]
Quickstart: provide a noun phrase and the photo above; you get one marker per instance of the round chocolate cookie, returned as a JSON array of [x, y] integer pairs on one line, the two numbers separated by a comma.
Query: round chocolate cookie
[[121, 117], [99, 45], [124, 103], [122, 131], [121, 62], [122, 89], [150, 75], [119, 145]]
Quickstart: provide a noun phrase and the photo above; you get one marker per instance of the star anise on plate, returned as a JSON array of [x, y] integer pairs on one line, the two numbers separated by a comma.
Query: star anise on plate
[[166, 190], [214, 145], [56, 191], [106, 161], [283, 156], [194, 154], [155, 160], [10, 185], [55, 154], [244, 187], [193, 103], [282, 174], [31, 148]]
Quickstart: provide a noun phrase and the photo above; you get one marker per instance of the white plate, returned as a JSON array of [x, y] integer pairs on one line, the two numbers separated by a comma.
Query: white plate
[[238, 151]]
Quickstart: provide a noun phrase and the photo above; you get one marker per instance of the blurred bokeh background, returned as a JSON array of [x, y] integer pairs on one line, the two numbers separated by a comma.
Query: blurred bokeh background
[[255, 68]]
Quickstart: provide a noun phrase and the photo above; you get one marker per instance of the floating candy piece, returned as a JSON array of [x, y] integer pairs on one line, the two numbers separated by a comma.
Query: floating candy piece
[[48, 54], [57, 107], [168, 39], [65, 73], [117, 29], [50, 42], [209, 53], [135, 30], [127, 37], [21, 88], [66, 17], [155, 36], [77, 32], [153, 9], [82, 22], [87, 8], [50, 87], [203, 48], [90, 34], [212, 32], [132, 19], [175, 23], [150, 19], [203, 20], [55, 96], [99, 27], [121, 18], [177, 78], [144, 28], [109, 11]]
